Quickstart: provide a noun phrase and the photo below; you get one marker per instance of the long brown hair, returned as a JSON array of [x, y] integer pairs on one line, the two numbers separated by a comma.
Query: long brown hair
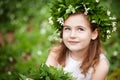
[[92, 56]]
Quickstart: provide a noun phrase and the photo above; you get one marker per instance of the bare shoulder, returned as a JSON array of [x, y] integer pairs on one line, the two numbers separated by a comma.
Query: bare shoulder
[[101, 69], [52, 57]]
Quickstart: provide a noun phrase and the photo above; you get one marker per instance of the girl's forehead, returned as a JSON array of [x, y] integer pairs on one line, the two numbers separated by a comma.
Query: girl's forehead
[[77, 20]]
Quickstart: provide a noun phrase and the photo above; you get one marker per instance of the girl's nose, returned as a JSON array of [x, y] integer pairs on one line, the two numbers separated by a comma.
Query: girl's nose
[[73, 34]]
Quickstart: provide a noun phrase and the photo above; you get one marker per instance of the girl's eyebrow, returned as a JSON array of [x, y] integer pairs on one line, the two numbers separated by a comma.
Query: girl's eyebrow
[[66, 26], [81, 27], [75, 26]]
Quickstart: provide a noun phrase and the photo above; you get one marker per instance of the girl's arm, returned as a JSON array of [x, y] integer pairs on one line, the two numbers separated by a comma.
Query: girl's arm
[[51, 60], [101, 70]]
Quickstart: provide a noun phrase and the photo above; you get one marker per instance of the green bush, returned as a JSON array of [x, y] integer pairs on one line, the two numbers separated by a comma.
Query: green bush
[[46, 73]]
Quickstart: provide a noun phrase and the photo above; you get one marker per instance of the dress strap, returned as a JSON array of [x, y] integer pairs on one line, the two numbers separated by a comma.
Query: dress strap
[[103, 57]]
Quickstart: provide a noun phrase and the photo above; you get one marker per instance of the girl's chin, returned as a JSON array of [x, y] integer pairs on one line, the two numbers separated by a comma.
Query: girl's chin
[[74, 49]]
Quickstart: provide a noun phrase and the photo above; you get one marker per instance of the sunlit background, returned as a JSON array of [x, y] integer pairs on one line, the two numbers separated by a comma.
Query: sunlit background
[[26, 37]]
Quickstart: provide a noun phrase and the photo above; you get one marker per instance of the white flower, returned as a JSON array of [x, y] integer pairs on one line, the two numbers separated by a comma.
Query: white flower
[[108, 36], [39, 52], [114, 29], [43, 31], [28, 79], [112, 18], [76, 7], [10, 59], [9, 73], [108, 12], [114, 24], [108, 31], [50, 20], [93, 21], [70, 9], [59, 9], [60, 20], [55, 36], [86, 9], [97, 1], [115, 53]]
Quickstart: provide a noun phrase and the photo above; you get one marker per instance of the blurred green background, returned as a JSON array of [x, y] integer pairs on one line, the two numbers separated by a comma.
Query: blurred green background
[[26, 37]]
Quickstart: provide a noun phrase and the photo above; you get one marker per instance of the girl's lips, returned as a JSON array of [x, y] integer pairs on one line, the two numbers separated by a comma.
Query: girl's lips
[[73, 42]]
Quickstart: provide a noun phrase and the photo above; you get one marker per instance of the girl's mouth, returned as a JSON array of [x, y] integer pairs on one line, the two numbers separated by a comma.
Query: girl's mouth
[[73, 42]]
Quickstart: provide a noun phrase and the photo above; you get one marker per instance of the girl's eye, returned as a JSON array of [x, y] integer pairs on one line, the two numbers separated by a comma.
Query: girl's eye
[[67, 29], [80, 29]]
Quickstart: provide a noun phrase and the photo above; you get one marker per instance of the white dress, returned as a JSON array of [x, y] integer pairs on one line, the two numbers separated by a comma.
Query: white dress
[[73, 67]]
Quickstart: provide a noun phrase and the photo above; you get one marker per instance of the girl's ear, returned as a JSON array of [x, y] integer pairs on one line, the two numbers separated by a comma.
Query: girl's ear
[[94, 34]]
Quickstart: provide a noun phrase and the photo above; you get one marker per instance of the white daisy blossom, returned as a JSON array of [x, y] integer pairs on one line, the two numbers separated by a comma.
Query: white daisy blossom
[[112, 18], [114, 29], [70, 9], [76, 7], [50, 20], [39, 52], [108, 36], [10, 59], [108, 31], [59, 9], [108, 12], [60, 20], [9, 73], [43, 31], [114, 24], [97, 1], [93, 21], [28, 79], [55, 36], [86, 9], [115, 53]]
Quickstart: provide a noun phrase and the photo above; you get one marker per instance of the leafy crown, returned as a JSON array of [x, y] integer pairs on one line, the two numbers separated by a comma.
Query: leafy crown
[[98, 14]]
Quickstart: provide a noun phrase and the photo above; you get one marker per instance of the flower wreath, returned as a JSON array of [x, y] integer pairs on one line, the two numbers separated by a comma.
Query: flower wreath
[[61, 9]]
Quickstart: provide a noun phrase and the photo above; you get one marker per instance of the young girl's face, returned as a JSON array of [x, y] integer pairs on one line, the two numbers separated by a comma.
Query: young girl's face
[[77, 33]]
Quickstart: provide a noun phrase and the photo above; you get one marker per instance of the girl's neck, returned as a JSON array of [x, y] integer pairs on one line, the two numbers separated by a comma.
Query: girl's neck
[[78, 55]]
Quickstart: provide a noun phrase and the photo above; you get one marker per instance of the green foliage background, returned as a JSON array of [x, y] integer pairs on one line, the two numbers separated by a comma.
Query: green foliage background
[[26, 37]]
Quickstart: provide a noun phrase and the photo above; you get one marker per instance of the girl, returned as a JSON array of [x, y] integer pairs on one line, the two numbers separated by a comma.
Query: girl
[[80, 50]]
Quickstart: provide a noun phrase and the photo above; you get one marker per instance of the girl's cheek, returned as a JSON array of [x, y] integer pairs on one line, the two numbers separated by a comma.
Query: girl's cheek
[[65, 35], [66, 32]]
